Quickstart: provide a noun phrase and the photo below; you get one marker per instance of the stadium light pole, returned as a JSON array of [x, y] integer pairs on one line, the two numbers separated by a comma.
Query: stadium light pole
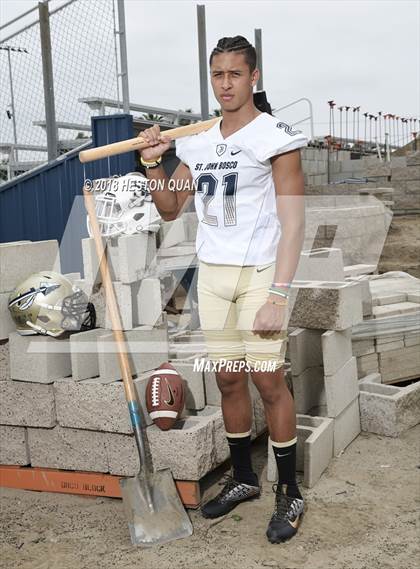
[[202, 61], [8, 49]]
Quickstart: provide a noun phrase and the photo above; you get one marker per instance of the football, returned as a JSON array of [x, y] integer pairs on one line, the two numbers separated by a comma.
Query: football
[[165, 396]]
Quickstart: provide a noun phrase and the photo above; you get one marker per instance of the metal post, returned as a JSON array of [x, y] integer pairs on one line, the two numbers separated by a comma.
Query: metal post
[[202, 61], [12, 98], [123, 53], [47, 73], [258, 49]]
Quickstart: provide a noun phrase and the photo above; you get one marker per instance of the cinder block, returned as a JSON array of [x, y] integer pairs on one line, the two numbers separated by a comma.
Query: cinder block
[[187, 350], [13, 446], [413, 158], [20, 259], [388, 410], [172, 232], [395, 309], [336, 349], [194, 384], [328, 306], [183, 250], [346, 425], [321, 264], [341, 388], [399, 364], [396, 297], [7, 323], [40, 359], [68, 449], [304, 349], [411, 340], [84, 354], [312, 388], [220, 444], [314, 449], [95, 406], [122, 454], [91, 261], [127, 299], [147, 350], [136, 254], [4, 360], [363, 281], [411, 173], [367, 364], [363, 347], [388, 346], [187, 449], [371, 378], [149, 302], [308, 389], [27, 404]]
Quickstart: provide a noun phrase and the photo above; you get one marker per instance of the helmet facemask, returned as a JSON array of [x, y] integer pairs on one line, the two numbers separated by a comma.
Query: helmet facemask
[[124, 206]]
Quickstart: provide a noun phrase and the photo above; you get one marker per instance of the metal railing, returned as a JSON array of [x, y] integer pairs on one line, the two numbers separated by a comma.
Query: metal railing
[[46, 66]]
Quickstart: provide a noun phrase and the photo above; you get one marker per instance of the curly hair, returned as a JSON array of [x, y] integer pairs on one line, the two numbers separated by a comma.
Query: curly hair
[[240, 45]]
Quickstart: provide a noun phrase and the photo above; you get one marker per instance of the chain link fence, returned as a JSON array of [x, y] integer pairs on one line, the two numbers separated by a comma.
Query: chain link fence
[[85, 63]]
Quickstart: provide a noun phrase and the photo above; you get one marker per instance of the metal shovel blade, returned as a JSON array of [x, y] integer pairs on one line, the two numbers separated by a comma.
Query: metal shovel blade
[[154, 509]]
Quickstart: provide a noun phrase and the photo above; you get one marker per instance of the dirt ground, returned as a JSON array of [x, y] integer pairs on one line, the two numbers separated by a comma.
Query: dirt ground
[[401, 247], [360, 515]]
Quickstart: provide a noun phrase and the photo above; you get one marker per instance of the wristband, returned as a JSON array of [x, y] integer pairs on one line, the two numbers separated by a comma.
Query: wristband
[[152, 164], [286, 285], [278, 292]]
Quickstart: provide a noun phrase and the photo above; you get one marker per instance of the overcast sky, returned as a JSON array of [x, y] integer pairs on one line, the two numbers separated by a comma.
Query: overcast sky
[[355, 52]]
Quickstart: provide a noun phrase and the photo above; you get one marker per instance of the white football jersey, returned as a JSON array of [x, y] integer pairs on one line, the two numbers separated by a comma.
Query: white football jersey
[[235, 197]]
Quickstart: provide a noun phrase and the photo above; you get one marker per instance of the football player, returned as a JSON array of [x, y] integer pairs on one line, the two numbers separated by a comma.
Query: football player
[[245, 176]]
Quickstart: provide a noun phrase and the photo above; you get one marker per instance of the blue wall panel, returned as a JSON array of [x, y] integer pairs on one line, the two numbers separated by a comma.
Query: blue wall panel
[[47, 203]]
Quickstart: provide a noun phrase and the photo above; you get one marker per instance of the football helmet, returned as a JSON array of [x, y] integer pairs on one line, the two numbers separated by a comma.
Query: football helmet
[[124, 206], [47, 303]]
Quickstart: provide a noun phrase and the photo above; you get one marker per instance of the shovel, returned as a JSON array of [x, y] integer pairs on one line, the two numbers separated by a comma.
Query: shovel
[[151, 502]]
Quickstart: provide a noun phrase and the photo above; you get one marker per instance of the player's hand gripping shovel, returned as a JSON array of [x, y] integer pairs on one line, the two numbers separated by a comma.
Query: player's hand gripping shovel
[[152, 505]]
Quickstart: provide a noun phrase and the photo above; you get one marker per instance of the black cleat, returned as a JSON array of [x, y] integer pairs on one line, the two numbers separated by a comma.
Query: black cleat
[[288, 513], [232, 494]]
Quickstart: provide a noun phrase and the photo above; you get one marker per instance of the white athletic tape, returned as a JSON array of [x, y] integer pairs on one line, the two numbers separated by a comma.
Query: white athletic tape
[[164, 372], [169, 414]]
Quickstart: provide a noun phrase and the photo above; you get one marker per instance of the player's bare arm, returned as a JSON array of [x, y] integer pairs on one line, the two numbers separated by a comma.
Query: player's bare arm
[[289, 186], [169, 203], [290, 198]]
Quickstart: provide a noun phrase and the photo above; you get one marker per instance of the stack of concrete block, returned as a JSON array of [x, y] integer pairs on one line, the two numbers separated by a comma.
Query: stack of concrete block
[[177, 245], [324, 377], [357, 225], [405, 180], [386, 409], [18, 260], [315, 436], [133, 267], [390, 349], [401, 176], [315, 165]]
